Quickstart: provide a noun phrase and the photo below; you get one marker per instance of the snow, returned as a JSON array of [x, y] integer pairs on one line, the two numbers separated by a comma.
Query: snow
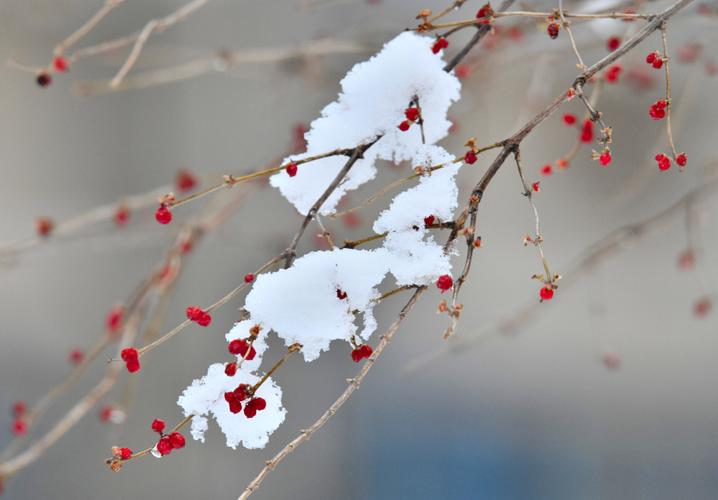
[[300, 304], [373, 97], [205, 396]]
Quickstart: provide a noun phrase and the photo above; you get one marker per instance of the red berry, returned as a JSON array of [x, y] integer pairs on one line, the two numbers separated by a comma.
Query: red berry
[[105, 414], [444, 283], [569, 119], [19, 427], [605, 158], [129, 354], [404, 126], [158, 425], [702, 307], [613, 43], [259, 403], [249, 411], [241, 392], [546, 293], [587, 131], [463, 71], [650, 58], [429, 220], [547, 170], [76, 356], [439, 44], [125, 453], [535, 186], [230, 369], [248, 278], [164, 446], [133, 366], [114, 319], [341, 295], [470, 157], [356, 355], [612, 73], [657, 111], [60, 64], [291, 169], [163, 215], [122, 215], [43, 79], [366, 350], [682, 160], [658, 63], [239, 347], [664, 162], [199, 315], [177, 440], [412, 114], [552, 30], [485, 11], [19, 408], [44, 226], [185, 180]]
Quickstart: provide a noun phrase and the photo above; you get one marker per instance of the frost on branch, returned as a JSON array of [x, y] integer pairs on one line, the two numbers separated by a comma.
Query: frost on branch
[[372, 101], [206, 396]]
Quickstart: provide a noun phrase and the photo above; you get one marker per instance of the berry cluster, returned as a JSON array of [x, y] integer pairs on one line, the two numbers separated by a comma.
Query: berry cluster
[[242, 392], [131, 358], [198, 315], [172, 441], [440, 43], [240, 347], [19, 424], [361, 352], [413, 115], [471, 155], [655, 60], [485, 13], [657, 111]]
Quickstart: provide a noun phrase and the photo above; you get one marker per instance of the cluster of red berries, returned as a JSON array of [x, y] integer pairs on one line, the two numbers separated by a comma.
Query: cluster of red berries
[[546, 293], [361, 352], [198, 315], [655, 60], [440, 43], [19, 424], [240, 347], [291, 169], [122, 453], [131, 358], [444, 283], [167, 443], [664, 162], [412, 114], [242, 392], [611, 74], [552, 29], [586, 131], [657, 111], [485, 13]]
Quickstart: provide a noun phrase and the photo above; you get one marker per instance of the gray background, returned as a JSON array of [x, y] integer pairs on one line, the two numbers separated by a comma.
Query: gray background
[[531, 416]]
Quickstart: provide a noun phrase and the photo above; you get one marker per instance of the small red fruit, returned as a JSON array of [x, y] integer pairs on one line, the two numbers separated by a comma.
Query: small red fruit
[[125, 453], [613, 43], [664, 162], [248, 278], [177, 440], [341, 295], [122, 215], [439, 44], [19, 427], [429, 220], [158, 425], [612, 73], [404, 126], [185, 181], [164, 446], [470, 157], [43, 79], [587, 131], [291, 169], [535, 187], [605, 158], [569, 119], [552, 30], [163, 215], [44, 226], [19, 408], [76, 356], [60, 64], [239, 347], [682, 160], [547, 170], [546, 293], [444, 283], [412, 114]]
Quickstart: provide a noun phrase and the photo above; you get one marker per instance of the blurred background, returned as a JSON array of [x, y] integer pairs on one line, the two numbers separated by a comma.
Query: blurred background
[[603, 392]]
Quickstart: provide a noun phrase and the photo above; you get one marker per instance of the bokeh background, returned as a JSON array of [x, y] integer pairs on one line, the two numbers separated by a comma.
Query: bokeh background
[[535, 414]]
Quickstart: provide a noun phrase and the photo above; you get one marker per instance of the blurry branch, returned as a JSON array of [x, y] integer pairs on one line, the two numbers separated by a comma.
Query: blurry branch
[[222, 61], [588, 260]]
